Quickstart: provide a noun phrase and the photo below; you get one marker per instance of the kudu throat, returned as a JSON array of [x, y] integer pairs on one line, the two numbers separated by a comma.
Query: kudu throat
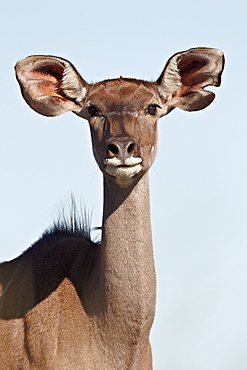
[[127, 248]]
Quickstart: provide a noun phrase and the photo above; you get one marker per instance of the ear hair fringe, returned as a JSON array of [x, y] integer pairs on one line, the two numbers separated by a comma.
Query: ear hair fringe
[[170, 81], [71, 84]]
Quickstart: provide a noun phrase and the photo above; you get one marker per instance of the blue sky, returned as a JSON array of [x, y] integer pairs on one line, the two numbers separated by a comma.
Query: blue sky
[[198, 182]]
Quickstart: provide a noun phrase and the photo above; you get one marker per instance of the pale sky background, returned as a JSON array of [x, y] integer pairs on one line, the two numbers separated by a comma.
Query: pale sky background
[[198, 182]]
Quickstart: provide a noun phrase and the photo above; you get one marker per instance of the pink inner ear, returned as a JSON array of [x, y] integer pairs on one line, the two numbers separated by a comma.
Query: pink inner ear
[[36, 75], [191, 65], [54, 70], [193, 71], [44, 88], [44, 84], [58, 99]]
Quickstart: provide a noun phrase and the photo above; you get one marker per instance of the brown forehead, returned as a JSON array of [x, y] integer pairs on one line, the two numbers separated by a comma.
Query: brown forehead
[[113, 94]]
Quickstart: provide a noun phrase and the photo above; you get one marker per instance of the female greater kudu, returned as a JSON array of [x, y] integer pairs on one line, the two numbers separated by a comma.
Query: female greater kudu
[[69, 303]]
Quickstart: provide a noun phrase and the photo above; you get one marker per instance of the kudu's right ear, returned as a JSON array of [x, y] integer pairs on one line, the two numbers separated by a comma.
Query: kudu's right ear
[[50, 85], [185, 76]]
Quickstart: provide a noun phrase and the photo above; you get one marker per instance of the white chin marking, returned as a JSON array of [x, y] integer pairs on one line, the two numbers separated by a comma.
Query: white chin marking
[[114, 162], [123, 175]]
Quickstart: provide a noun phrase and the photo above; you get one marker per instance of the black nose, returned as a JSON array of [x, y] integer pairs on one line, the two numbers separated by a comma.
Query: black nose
[[121, 149]]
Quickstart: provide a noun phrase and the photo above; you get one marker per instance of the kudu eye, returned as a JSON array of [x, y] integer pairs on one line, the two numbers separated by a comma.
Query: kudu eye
[[152, 109], [92, 110]]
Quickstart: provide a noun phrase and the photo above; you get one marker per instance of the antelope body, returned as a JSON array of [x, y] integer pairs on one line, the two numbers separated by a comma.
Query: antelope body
[[70, 303]]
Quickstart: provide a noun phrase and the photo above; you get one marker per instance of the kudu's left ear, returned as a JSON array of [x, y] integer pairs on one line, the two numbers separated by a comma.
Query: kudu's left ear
[[50, 85], [186, 74]]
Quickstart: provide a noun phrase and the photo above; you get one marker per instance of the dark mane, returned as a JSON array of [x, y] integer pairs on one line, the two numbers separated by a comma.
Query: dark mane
[[71, 222]]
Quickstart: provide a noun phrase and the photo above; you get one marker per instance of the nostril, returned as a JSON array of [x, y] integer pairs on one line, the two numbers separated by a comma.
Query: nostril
[[113, 148], [121, 148], [131, 147]]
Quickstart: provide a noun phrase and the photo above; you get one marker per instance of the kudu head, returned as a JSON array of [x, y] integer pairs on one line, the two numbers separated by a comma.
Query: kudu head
[[122, 113]]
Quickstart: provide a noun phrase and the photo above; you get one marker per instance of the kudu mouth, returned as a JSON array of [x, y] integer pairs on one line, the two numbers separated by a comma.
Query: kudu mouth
[[123, 170]]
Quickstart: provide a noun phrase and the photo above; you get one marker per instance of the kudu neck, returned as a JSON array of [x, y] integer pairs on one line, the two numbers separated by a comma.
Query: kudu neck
[[123, 305], [127, 238]]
